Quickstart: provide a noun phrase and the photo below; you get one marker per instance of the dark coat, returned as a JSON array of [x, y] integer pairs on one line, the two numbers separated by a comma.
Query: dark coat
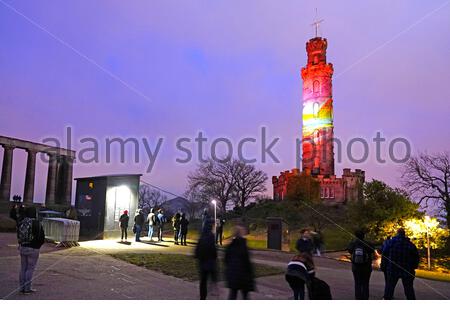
[[206, 252], [368, 249], [238, 268], [304, 245], [294, 269], [139, 220], [184, 225], [402, 257], [13, 213], [38, 235], [124, 218], [176, 219]]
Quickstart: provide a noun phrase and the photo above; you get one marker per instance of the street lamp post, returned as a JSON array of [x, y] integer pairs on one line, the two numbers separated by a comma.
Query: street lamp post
[[427, 223], [214, 202]]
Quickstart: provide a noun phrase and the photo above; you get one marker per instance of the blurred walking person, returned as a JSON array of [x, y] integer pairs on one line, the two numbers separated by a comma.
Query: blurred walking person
[[205, 218], [184, 223], [151, 221], [305, 243], [402, 261], [362, 254], [138, 224], [123, 223], [317, 242], [31, 237], [300, 270], [238, 268], [206, 254]]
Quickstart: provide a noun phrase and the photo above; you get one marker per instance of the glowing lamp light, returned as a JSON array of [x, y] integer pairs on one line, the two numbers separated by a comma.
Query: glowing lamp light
[[214, 202], [430, 223]]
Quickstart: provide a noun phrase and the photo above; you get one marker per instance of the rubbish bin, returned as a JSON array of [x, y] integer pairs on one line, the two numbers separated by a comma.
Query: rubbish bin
[[277, 234]]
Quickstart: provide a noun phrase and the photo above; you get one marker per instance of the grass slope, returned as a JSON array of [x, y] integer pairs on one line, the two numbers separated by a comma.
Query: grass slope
[[183, 266]]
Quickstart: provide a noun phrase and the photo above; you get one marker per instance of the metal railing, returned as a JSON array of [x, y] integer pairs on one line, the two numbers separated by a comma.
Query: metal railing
[[65, 232]]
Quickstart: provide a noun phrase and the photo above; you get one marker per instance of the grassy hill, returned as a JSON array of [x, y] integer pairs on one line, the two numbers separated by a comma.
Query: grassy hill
[[329, 220]]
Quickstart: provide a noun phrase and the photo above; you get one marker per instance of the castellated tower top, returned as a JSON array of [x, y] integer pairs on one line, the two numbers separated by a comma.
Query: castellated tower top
[[316, 49]]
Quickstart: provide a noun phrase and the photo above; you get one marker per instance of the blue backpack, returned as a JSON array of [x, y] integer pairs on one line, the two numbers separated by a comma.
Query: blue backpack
[[161, 218]]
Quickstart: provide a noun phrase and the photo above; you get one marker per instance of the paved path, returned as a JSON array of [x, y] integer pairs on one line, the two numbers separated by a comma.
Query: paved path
[[88, 272], [339, 276]]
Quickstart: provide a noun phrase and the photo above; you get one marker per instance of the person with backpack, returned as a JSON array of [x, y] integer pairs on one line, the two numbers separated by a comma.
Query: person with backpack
[[161, 219], [138, 224], [176, 227], [206, 254], [184, 222], [31, 237], [362, 254], [402, 260], [151, 221], [300, 271], [123, 223]]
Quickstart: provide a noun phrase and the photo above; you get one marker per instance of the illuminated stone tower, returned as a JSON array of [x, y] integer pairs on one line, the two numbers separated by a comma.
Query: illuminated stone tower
[[317, 130], [317, 134]]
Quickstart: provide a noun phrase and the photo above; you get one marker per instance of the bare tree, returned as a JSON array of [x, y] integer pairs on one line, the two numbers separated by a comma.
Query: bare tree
[[195, 204], [224, 181], [150, 197], [249, 182], [427, 178], [212, 180]]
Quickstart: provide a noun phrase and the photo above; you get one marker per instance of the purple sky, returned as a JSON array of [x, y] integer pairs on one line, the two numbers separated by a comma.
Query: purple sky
[[223, 67]]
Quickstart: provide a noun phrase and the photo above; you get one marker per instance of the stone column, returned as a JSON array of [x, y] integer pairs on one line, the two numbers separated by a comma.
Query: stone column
[[5, 184], [28, 193], [68, 180], [51, 179]]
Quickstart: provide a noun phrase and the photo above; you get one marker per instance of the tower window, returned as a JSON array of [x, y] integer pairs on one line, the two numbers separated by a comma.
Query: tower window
[[315, 136], [316, 59], [316, 86], [315, 109]]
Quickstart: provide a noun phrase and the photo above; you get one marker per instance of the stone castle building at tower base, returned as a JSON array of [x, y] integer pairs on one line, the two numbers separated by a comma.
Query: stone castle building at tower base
[[333, 190]]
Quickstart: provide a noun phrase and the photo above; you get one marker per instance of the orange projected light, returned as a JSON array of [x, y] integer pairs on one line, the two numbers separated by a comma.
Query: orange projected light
[[317, 116]]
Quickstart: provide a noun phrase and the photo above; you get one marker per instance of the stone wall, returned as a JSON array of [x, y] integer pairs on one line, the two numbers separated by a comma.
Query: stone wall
[[333, 190]]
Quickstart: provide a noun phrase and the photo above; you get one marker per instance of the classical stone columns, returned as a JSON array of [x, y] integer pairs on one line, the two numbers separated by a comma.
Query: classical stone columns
[[28, 193], [51, 179], [59, 176], [59, 180], [68, 180], [5, 184]]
